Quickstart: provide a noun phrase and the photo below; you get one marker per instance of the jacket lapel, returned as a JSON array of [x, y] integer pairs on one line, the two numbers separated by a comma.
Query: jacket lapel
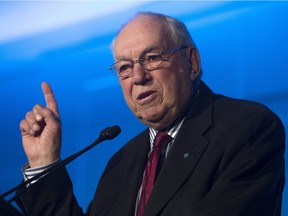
[[134, 162], [117, 191], [187, 149]]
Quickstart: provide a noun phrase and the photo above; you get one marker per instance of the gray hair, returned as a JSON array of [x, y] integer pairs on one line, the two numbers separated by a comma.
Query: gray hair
[[179, 33]]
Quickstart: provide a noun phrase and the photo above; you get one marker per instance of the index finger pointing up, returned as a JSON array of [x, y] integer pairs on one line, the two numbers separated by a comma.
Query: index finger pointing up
[[50, 98]]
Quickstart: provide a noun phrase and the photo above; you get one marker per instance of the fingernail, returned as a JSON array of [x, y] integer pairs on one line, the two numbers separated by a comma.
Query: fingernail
[[35, 127], [38, 117]]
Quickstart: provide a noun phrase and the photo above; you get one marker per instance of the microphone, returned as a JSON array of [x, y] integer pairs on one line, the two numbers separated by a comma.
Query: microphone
[[108, 133]]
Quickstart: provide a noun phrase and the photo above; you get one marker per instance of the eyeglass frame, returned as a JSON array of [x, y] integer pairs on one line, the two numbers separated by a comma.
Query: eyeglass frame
[[161, 54]]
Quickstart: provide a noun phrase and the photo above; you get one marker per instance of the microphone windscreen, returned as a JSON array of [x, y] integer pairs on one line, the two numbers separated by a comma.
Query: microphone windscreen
[[111, 132]]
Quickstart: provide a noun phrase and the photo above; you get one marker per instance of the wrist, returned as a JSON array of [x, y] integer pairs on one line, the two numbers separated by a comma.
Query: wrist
[[43, 162]]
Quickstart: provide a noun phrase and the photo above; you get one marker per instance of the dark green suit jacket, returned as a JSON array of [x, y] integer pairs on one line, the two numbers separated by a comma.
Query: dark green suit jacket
[[227, 159]]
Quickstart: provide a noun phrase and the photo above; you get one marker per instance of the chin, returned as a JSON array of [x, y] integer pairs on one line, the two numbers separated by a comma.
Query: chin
[[156, 122]]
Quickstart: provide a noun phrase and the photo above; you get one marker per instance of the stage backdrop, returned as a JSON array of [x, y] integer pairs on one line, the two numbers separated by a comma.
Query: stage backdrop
[[243, 46]]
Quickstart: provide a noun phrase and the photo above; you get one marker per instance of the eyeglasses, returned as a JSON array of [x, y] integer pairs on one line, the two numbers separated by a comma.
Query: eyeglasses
[[149, 61]]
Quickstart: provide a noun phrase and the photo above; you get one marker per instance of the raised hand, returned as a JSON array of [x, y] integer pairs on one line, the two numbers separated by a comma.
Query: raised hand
[[41, 131]]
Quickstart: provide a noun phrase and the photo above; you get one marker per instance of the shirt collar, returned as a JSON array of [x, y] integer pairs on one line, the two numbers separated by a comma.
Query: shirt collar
[[172, 132]]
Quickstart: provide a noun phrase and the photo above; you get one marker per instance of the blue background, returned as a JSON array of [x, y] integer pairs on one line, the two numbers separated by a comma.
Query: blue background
[[243, 46]]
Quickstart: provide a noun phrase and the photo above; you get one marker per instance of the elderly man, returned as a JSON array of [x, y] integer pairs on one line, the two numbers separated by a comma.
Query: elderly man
[[203, 154]]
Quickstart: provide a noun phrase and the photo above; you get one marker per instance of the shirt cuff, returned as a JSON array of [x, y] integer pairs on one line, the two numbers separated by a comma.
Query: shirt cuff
[[29, 173]]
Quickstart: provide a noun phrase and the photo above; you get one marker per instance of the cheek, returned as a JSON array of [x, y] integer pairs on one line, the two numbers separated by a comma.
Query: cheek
[[168, 93], [127, 93], [168, 89], [176, 91]]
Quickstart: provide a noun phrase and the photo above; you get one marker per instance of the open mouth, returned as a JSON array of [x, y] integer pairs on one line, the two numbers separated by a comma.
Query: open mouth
[[147, 98], [145, 95]]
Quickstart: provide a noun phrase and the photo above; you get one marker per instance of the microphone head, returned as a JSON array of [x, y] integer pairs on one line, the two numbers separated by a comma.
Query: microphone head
[[110, 132]]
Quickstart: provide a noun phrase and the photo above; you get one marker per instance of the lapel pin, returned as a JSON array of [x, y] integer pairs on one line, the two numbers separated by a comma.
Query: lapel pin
[[186, 155]]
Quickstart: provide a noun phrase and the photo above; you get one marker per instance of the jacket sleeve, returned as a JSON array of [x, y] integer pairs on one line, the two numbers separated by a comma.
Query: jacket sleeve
[[52, 195]]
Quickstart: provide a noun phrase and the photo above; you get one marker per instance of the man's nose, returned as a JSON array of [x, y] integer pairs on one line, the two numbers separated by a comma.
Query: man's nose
[[140, 74]]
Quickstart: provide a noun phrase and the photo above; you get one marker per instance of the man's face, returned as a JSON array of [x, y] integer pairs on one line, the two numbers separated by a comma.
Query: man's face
[[156, 97]]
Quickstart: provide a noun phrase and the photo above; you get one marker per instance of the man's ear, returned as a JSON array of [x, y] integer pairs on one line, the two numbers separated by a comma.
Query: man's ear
[[195, 63]]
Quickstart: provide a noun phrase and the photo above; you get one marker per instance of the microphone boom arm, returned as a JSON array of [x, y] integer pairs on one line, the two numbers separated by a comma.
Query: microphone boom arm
[[108, 133]]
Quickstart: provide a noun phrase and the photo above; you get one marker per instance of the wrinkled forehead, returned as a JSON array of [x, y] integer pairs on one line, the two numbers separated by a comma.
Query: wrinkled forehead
[[140, 33]]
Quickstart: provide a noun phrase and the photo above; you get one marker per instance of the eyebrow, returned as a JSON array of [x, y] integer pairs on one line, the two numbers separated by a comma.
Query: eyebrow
[[146, 50]]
